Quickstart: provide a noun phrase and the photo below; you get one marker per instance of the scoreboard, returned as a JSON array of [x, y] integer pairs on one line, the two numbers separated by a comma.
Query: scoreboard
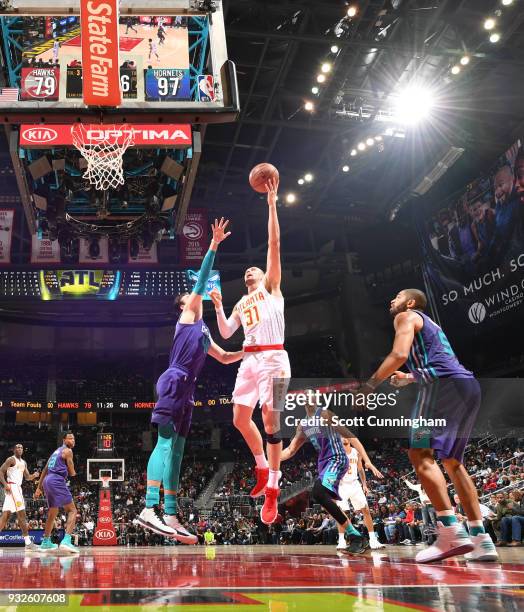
[[99, 284]]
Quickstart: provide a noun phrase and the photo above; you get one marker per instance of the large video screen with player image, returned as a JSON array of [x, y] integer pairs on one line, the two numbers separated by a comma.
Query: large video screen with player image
[[153, 57]]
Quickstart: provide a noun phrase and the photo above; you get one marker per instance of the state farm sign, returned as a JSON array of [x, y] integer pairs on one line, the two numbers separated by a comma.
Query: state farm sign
[[171, 136]]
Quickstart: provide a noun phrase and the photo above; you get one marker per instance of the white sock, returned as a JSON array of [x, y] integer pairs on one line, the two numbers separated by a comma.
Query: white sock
[[341, 538], [27, 539], [261, 461], [274, 477], [372, 535]]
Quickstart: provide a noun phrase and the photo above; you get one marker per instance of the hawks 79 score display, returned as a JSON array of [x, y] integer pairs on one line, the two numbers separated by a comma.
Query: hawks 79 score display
[[40, 83]]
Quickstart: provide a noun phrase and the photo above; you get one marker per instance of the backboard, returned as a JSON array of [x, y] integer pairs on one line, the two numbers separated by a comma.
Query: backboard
[[99, 469], [162, 63]]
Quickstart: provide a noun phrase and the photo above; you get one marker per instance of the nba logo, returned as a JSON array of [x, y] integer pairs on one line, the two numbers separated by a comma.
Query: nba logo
[[206, 88]]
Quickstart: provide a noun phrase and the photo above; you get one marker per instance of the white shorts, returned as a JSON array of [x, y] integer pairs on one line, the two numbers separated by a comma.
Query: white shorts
[[255, 378], [14, 501], [353, 492]]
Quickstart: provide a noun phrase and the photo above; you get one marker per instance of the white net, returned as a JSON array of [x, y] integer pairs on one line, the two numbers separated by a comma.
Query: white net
[[103, 148]]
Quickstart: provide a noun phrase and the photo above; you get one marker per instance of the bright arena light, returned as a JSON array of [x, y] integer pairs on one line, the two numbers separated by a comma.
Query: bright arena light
[[300, 181], [494, 38], [309, 106], [352, 11], [321, 78], [315, 90], [334, 49], [291, 198], [326, 67], [455, 70], [308, 177], [370, 142], [465, 60], [507, 2], [413, 104], [361, 146], [489, 24], [378, 138], [345, 168], [353, 152]]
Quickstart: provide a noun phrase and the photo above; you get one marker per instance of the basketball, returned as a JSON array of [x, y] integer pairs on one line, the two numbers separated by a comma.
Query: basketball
[[260, 175]]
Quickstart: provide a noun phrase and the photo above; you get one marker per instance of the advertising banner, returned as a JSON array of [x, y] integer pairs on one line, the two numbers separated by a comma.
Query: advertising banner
[[6, 233]]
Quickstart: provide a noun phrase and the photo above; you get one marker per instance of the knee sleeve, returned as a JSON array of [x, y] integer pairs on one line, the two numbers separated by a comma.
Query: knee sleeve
[[274, 438]]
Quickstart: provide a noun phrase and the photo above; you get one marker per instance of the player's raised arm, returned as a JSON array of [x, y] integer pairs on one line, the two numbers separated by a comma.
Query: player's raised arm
[[226, 327], [225, 357], [273, 266], [294, 446], [193, 304]]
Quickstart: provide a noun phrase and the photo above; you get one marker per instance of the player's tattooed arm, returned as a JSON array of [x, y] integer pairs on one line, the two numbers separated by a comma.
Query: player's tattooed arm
[[294, 446], [273, 266], [225, 357], [405, 324], [67, 454], [226, 327], [9, 462]]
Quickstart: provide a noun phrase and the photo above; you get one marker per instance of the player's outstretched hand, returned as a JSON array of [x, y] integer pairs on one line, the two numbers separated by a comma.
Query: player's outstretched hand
[[219, 230], [369, 466], [216, 297], [272, 190]]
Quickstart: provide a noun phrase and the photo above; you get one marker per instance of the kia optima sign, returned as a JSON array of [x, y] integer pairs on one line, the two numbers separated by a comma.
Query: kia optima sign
[[170, 136]]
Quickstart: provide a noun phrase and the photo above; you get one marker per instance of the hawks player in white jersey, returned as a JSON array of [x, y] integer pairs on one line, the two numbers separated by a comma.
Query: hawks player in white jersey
[[350, 490], [261, 314], [12, 473]]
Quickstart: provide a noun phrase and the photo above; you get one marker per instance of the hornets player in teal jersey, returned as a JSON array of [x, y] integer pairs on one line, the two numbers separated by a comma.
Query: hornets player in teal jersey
[[448, 391], [174, 407]]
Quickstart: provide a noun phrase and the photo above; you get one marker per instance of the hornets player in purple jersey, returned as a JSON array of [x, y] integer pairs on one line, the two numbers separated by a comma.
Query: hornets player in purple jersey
[[447, 390], [333, 463], [174, 407], [53, 482]]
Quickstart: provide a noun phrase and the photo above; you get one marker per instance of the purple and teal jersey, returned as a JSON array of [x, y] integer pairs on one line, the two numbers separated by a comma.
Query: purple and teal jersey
[[333, 462], [56, 464], [190, 346], [431, 355]]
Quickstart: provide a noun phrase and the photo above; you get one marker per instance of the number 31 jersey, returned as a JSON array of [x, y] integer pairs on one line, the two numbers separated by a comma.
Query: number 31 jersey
[[262, 317]]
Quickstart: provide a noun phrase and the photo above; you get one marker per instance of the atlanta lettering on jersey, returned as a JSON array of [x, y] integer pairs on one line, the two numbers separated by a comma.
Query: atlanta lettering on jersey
[[250, 300]]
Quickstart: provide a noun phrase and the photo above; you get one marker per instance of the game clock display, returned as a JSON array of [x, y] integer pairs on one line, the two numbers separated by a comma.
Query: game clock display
[[105, 442]]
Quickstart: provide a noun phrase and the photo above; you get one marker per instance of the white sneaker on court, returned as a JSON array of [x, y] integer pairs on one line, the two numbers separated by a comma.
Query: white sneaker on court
[[150, 518], [341, 545], [484, 549], [181, 533], [374, 544], [451, 541]]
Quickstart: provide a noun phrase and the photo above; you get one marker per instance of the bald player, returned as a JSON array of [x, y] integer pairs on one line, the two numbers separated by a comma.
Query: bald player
[[261, 315]]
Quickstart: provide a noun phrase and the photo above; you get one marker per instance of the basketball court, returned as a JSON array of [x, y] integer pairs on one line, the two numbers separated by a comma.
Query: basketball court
[[265, 578]]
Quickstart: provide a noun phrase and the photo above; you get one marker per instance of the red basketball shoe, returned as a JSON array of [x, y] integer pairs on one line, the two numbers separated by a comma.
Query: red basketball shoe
[[261, 483], [269, 511]]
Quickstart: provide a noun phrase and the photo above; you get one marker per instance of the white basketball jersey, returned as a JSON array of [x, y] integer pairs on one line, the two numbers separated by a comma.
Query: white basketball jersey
[[352, 474], [262, 317], [15, 473]]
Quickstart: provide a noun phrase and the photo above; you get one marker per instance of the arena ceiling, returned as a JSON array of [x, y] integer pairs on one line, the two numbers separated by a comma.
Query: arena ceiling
[[279, 46]]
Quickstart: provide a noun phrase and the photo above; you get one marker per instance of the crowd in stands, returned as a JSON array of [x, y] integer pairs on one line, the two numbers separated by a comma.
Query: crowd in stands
[[398, 514]]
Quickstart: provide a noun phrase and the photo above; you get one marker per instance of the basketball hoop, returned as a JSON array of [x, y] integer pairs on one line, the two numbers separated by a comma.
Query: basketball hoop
[[103, 148], [105, 481]]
